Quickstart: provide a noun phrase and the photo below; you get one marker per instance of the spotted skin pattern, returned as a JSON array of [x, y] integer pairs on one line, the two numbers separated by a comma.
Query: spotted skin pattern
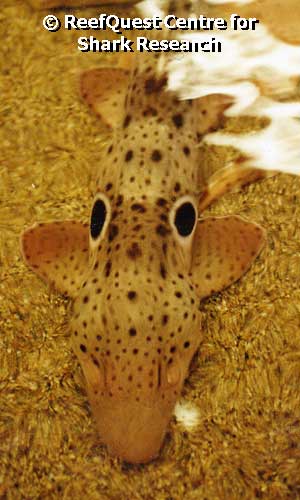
[[136, 286]]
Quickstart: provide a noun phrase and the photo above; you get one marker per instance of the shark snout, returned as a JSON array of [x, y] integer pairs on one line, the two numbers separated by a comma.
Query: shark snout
[[131, 431]]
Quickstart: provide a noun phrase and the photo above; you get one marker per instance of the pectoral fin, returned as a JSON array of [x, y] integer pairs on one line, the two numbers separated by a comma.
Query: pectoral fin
[[104, 89], [223, 250], [58, 252]]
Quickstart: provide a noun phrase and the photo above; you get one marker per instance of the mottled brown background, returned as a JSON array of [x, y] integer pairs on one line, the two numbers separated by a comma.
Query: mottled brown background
[[245, 379]]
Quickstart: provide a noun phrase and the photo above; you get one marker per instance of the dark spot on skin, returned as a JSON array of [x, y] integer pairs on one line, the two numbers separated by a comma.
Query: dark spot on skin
[[177, 187], [165, 319], [135, 351], [163, 271], [129, 155], [186, 345], [83, 348], [162, 230], [113, 231], [127, 120], [177, 120], [110, 149], [132, 332], [178, 295], [153, 85], [161, 202], [149, 111], [156, 155], [150, 85], [108, 186], [131, 295], [95, 361], [107, 268], [137, 207], [119, 200], [186, 151], [134, 251]]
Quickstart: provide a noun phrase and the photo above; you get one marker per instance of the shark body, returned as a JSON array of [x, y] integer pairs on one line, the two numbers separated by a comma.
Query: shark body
[[139, 269]]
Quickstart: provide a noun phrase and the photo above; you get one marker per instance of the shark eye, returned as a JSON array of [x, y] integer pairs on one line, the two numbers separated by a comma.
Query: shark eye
[[99, 217], [185, 218]]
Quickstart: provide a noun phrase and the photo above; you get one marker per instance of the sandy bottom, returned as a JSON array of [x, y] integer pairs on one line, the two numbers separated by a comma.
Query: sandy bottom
[[245, 379]]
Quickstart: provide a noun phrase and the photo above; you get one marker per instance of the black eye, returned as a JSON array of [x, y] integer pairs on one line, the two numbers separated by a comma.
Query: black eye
[[98, 218], [185, 218]]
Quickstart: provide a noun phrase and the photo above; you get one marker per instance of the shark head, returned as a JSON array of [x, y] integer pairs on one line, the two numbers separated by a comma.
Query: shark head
[[136, 317]]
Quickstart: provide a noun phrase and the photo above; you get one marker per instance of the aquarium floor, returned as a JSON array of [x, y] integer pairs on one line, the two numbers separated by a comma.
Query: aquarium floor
[[245, 380]]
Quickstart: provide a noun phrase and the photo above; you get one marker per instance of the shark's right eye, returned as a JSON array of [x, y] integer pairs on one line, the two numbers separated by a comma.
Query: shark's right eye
[[99, 217], [183, 218]]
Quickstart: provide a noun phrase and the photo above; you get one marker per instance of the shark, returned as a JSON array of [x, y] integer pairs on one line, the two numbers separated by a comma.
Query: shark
[[138, 270]]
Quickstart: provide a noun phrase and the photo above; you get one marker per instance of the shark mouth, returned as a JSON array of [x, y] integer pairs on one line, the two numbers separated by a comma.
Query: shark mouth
[[260, 72]]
